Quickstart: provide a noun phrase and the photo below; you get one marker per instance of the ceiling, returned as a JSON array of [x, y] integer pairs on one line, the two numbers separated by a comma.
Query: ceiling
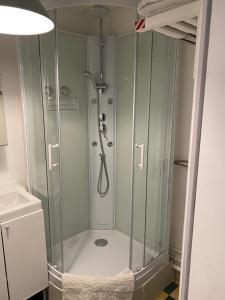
[[119, 21], [51, 4]]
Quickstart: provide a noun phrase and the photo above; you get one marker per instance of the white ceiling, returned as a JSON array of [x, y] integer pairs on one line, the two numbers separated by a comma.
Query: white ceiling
[[50, 4], [120, 21]]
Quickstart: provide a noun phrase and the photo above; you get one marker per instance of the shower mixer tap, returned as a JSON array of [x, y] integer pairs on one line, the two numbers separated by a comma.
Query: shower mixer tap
[[103, 130], [102, 117]]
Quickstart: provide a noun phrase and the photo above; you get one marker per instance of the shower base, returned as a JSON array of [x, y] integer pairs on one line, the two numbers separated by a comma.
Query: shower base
[[82, 256]]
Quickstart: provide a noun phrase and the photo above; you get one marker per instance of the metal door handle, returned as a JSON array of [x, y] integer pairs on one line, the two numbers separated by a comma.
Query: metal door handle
[[141, 163], [51, 165]]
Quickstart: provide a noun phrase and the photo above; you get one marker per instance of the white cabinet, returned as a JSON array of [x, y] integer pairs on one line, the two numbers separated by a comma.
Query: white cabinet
[[25, 255], [3, 282]]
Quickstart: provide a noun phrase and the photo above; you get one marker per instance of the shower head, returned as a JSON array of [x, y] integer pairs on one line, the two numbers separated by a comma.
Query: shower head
[[98, 86], [91, 77], [96, 11]]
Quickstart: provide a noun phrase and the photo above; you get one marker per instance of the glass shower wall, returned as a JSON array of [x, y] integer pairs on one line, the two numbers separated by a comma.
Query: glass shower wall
[[72, 50], [153, 133], [49, 75], [141, 119], [160, 145], [39, 71], [124, 131], [35, 131]]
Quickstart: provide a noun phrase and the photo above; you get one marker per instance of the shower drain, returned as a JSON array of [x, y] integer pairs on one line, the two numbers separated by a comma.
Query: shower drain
[[101, 242]]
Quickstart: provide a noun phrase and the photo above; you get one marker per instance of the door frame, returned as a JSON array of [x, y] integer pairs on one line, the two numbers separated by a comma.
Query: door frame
[[200, 68]]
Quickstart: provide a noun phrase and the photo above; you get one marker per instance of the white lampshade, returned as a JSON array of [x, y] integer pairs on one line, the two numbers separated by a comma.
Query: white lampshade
[[24, 17]]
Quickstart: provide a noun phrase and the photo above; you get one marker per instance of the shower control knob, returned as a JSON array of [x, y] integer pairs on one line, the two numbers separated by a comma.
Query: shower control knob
[[94, 144], [102, 117], [102, 128], [110, 101], [110, 144]]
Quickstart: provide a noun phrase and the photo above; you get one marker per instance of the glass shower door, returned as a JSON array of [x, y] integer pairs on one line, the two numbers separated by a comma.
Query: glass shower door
[[38, 72], [153, 135], [160, 146], [141, 117], [50, 90]]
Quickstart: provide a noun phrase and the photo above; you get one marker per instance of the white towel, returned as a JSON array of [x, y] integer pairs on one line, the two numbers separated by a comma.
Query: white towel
[[78, 287], [147, 8]]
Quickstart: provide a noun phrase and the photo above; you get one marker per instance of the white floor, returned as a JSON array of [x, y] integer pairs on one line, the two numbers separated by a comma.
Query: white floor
[[83, 257]]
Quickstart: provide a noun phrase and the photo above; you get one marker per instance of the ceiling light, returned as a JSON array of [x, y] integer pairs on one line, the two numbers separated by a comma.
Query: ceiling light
[[24, 17]]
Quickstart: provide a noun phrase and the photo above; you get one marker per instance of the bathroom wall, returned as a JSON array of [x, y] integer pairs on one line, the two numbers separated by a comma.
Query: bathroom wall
[[183, 123], [207, 273], [12, 157]]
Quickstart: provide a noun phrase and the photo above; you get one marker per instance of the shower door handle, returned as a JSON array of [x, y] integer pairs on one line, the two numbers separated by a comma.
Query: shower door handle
[[141, 163], [51, 165]]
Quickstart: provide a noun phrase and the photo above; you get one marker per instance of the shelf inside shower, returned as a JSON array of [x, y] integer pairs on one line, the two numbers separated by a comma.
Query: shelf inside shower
[[83, 257]]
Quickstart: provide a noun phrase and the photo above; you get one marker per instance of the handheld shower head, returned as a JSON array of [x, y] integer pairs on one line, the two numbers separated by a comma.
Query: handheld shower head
[[98, 86], [89, 75]]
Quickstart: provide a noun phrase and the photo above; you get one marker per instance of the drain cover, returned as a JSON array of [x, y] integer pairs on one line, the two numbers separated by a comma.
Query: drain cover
[[101, 242]]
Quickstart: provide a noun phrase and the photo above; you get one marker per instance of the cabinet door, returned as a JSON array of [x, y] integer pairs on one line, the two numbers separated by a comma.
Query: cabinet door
[[25, 255], [3, 283]]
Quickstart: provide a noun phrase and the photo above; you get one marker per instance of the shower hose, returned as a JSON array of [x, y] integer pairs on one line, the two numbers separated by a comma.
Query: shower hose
[[103, 165]]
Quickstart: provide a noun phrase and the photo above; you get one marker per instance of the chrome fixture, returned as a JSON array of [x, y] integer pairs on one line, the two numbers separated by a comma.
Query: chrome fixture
[[99, 12], [101, 242], [101, 131], [110, 101], [110, 144], [26, 17], [98, 86], [141, 163], [102, 117], [182, 163], [94, 144], [65, 91]]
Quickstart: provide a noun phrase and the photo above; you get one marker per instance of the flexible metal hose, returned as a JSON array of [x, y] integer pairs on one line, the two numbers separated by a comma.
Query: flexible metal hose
[[103, 165]]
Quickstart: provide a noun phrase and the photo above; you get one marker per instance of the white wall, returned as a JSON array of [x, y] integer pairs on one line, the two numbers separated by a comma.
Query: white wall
[[207, 274], [183, 124], [12, 157]]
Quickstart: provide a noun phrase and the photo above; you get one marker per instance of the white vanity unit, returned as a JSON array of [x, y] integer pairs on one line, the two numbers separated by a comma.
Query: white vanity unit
[[23, 261]]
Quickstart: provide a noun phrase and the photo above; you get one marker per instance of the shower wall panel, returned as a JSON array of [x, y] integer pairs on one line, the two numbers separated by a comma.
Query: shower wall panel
[[124, 122], [35, 131], [74, 133], [102, 208], [160, 144]]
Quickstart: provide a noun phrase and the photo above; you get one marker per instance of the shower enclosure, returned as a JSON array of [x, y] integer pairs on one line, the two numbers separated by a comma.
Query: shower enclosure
[[99, 106]]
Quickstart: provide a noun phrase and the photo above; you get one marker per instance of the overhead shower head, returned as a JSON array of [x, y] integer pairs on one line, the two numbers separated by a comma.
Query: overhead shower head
[[96, 11]]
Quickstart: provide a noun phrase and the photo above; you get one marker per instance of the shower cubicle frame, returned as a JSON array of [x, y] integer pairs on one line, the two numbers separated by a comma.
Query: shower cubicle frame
[[162, 260], [147, 272]]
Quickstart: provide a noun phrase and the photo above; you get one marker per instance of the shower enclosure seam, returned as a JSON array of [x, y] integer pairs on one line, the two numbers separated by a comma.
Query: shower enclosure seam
[[89, 138], [59, 131], [172, 149], [133, 139], [147, 152], [46, 168], [115, 134]]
